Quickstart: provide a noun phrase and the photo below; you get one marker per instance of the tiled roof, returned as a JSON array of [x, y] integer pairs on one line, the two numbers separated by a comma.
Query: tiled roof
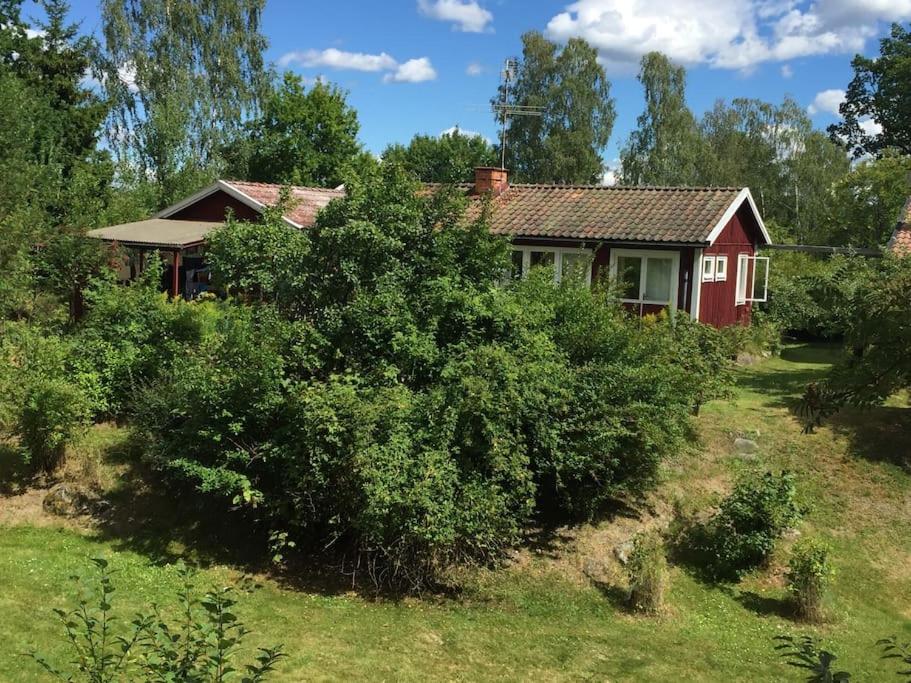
[[306, 201], [901, 238], [639, 214]]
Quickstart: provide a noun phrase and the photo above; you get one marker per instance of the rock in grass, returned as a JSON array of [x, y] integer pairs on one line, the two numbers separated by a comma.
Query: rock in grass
[[745, 446], [66, 500], [622, 552]]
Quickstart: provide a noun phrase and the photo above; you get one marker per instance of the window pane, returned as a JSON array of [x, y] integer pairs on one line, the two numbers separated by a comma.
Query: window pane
[[574, 265], [629, 271], [516, 270], [542, 258], [658, 280]]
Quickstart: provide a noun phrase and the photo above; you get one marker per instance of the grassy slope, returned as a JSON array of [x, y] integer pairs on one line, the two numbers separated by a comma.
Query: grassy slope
[[533, 621]]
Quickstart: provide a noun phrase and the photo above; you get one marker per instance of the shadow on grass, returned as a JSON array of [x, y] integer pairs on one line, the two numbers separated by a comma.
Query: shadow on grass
[[765, 605], [879, 434], [785, 386]]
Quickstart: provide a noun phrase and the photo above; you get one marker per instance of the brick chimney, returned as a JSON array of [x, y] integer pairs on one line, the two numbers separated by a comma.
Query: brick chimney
[[490, 179]]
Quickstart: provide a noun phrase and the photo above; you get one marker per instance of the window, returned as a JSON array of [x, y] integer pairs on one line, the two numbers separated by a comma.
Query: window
[[646, 277], [565, 262], [748, 277], [708, 269], [721, 268]]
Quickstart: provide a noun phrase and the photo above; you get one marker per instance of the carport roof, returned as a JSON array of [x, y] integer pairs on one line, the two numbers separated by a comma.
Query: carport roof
[[156, 233]]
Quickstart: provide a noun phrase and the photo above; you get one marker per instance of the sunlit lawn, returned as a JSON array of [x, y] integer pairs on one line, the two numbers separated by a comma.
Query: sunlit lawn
[[531, 623]]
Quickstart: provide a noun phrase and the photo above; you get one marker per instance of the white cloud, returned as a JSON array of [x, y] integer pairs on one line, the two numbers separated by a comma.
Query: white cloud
[[474, 69], [786, 71], [339, 59], [467, 15], [730, 34], [827, 102], [870, 127], [412, 71], [126, 73]]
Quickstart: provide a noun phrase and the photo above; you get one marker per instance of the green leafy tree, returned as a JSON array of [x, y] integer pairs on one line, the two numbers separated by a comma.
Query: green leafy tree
[[302, 137], [664, 149], [565, 144], [868, 200], [182, 77], [449, 158], [879, 92], [875, 363]]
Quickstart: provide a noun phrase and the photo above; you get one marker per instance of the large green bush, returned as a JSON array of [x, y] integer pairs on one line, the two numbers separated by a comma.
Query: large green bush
[[390, 398]]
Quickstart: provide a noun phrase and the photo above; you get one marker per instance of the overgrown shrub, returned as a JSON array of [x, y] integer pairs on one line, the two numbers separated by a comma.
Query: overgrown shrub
[[810, 572], [201, 645], [394, 402], [53, 412], [647, 572], [749, 521]]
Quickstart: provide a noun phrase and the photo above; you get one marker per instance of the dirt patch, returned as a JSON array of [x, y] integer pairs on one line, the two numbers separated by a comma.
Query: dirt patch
[[27, 509]]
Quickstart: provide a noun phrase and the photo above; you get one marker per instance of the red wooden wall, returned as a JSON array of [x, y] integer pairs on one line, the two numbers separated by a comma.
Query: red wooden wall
[[717, 303], [214, 208]]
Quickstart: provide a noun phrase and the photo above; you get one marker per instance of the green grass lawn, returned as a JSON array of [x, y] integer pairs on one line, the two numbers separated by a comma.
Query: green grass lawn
[[536, 621]]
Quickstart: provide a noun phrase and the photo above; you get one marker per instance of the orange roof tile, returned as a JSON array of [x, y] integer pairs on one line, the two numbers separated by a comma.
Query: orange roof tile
[[638, 214], [306, 201], [901, 238]]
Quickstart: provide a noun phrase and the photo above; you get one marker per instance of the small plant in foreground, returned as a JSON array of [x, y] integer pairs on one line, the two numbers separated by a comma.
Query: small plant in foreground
[[199, 647], [810, 572], [893, 649], [647, 570], [804, 652]]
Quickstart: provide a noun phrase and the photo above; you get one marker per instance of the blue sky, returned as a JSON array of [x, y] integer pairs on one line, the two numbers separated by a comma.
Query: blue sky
[[422, 66]]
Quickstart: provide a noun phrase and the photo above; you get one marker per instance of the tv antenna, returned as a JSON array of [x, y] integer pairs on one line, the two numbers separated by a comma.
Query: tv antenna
[[503, 109]]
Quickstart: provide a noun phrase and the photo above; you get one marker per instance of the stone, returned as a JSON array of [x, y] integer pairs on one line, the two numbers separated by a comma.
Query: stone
[[66, 500], [744, 358], [623, 551], [791, 534], [745, 446]]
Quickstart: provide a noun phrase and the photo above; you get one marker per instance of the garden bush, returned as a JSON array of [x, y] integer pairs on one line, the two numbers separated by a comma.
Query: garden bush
[[809, 574], [53, 412], [397, 404], [647, 572], [749, 521]]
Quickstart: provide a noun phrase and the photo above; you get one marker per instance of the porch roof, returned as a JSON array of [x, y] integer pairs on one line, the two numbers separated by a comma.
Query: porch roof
[[156, 233]]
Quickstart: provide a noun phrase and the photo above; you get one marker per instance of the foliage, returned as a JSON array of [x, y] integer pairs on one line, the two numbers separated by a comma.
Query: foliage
[[705, 352], [810, 572], [392, 401], [813, 296], [868, 201], [565, 144], [53, 412], [302, 137], [647, 572], [875, 363], [665, 146], [201, 646], [448, 158], [804, 653], [893, 648], [879, 92], [182, 78], [749, 521]]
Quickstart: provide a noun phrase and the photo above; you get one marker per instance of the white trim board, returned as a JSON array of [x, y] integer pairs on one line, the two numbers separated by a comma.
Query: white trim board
[[744, 196], [651, 253]]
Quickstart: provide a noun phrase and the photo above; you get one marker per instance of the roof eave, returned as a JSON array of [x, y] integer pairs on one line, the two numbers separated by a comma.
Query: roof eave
[[743, 196]]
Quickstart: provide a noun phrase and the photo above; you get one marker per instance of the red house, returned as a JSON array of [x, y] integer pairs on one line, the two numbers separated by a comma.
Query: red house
[[686, 249], [901, 239]]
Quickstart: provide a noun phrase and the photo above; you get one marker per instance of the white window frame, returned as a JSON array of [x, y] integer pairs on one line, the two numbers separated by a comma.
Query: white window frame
[[708, 269], [743, 268], [721, 268], [615, 255], [558, 253]]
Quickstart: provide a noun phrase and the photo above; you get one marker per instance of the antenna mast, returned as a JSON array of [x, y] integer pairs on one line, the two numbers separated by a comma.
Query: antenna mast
[[503, 109]]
